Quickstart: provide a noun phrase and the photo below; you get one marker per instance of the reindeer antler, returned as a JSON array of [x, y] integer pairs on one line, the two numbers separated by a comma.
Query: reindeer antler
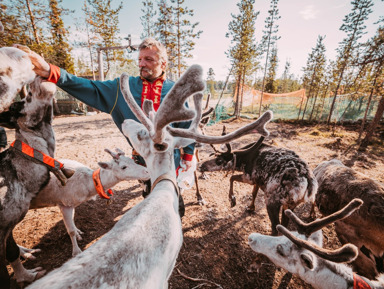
[[257, 126], [347, 253], [308, 229], [172, 108], [114, 155]]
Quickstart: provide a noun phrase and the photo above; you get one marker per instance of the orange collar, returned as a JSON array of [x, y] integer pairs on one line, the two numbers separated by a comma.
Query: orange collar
[[360, 283], [99, 187], [35, 154]]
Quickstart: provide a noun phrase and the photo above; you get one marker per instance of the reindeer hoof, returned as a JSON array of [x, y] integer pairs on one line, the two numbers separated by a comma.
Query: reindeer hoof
[[201, 202], [233, 202], [251, 208]]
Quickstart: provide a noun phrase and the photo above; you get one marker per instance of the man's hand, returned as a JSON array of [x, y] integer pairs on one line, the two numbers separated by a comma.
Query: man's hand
[[42, 67]]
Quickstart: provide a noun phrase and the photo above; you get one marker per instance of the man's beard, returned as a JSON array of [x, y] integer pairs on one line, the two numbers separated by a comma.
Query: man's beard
[[148, 71]]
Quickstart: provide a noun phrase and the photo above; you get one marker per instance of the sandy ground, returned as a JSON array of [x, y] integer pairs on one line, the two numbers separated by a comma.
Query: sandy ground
[[215, 253]]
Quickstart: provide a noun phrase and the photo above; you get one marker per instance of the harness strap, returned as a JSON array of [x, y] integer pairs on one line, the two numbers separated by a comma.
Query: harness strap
[[56, 167], [99, 186], [360, 282], [169, 178], [38, 155]]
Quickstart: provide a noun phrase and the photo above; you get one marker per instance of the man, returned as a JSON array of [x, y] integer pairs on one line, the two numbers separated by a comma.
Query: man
[[107, 97]]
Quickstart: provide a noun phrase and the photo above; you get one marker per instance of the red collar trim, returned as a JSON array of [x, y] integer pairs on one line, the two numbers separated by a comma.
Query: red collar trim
[[359, 282], [38, 155], [152, 91], [99, 186]]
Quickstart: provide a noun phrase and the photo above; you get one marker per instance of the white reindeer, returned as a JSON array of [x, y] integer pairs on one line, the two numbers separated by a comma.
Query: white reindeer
[[81, 188], [301, 253], [16, 70], [140, 251]]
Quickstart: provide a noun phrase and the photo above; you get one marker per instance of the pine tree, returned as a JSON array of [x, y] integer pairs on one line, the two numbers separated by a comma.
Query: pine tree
[[211, 81], [269, 39], [166, 35], [147, 20], [60, 48], [354, 27], [105, 24], [374, 57], [185, 34], [314, 73], [270, 80], [243, 52], [15, 28]]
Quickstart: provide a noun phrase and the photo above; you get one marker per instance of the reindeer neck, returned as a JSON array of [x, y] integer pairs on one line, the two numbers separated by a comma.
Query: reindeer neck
[[35, 141], [330, 275], [159, 165], [108, 178]]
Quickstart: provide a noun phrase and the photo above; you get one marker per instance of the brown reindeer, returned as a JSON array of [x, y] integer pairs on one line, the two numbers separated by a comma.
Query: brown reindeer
[[338, 185]]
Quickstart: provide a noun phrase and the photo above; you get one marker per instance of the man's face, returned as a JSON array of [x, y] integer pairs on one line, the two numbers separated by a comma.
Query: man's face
[[151, 67]]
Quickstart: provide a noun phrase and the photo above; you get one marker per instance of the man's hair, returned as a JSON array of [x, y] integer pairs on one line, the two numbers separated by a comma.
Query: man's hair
[[161, 50]]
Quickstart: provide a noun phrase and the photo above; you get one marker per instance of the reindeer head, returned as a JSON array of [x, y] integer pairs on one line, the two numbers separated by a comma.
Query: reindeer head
[[16, 70], [154, 136], [124, 168], [301, 252]]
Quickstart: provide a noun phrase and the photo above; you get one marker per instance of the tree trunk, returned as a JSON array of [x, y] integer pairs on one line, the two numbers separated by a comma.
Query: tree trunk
[[33, 23], [366, 110], [379, 114]]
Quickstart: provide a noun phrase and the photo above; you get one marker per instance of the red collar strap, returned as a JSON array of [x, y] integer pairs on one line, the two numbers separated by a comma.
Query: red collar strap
[[38, 155], [99, 186], [152, 91], [360, 282]]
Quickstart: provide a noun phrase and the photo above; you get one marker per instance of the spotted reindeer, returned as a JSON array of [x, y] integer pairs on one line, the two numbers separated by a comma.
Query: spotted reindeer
[[24, 170], [284, 177]]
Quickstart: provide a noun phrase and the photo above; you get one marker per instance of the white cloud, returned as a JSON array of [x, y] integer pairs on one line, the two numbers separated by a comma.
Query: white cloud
[[309, 12]]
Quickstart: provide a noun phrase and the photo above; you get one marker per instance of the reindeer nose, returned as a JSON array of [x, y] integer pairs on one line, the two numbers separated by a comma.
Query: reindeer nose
[[252, 239]]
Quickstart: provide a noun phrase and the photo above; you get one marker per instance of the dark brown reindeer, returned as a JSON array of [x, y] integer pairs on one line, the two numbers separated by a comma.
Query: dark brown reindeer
[[301, 253], [338, 185], [285, 178], [22, 177]]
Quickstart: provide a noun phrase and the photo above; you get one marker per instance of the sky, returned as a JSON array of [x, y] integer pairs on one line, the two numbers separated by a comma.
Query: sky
[[301, 22]]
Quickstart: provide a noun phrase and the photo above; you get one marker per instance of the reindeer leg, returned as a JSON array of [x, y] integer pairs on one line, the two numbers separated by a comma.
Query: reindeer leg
[[251, 207], [13, 256], [232, 198], [273, 210], [73, 232], [27, 253], [200, 199], [4, 276]]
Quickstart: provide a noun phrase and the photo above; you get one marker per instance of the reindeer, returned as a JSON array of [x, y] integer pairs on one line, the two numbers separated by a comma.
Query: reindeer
[[140, 251], [285, 178], [23, 170], [16, 70], [84, 185], [301, 253], [338, 185]]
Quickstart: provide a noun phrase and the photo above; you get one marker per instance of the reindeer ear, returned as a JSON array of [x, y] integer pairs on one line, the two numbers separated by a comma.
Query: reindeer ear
[[180, 142], [104, 165], [307, 260]]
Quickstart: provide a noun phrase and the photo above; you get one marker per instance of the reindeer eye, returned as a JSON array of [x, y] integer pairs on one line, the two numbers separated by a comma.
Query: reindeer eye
[[124, 167], [280, 250], [219, 161]]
